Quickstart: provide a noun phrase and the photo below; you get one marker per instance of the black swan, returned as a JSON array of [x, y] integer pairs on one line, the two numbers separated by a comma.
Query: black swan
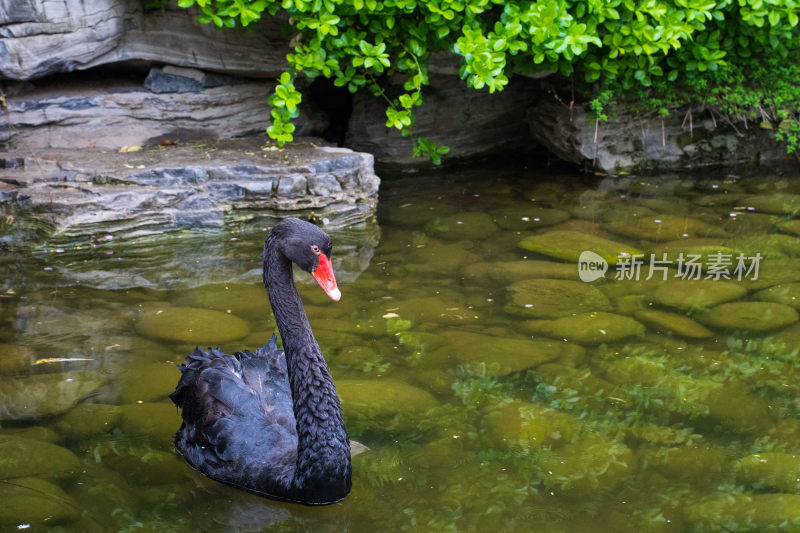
[[270, 422]]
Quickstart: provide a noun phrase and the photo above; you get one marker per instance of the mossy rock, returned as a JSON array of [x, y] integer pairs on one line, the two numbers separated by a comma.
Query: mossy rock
[[774, 203], [688, 295], [438, 310], [35, 502], [383, 403], [698, 462], [241, 300], [158, 420], [774, 272], [593, 465], [148, 382], [521, 424], [440, 258], [670, 322], [790, 226], [662, 228], [41, 433], [191, 325], [20, 457], [769, 246], [506, 272], [771, 470], [553, 298], [466, 226], [87, 419], [587, 328], [146, 467], [42, 395], [764, 513], [784, 293], [499, 356], [751, 316], [705, 248], [569, 245], [529, 218], [14, 359], [415, 215]]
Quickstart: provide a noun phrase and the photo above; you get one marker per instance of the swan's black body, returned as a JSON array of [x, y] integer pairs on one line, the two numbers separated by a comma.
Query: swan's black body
[[270, 422]]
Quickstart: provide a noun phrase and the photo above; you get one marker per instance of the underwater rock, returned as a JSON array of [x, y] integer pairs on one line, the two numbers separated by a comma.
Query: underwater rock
[[790, 226], [191, 325], [378, 403], [33, 432], [661, 228], [689, 247], [569, 245], [506, 272], [771, 470], [553, 298], [145, 466], [31, 501], [699, 462], [784, 293], [751, 316], [14, 359], [20, 457], [148, 382], [500, 355], [689, 295], [415, 215], [769, 246], [159, 421], [435, 309], [589, 328], [773, 272], [781, 203], [240, 299], [742, 512], [465, 226], [45, 394], [678, 324], [532, 217], [522, 424], [440, 258], [594, 464], [87, 419]]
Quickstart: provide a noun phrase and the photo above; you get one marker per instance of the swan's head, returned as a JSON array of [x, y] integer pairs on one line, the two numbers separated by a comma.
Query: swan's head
[[310, 248]]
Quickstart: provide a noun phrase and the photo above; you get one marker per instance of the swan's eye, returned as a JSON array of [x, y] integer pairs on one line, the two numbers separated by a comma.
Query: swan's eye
[[315, 249]]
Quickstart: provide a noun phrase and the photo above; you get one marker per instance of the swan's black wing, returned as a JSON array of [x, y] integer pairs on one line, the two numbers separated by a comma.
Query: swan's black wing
[[238, 423]]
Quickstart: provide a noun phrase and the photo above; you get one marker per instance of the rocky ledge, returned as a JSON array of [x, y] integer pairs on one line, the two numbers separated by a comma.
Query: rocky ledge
[[205, 186]]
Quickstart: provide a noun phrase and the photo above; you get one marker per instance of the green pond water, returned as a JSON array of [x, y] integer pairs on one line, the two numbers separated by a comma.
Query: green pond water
[[495, 389]]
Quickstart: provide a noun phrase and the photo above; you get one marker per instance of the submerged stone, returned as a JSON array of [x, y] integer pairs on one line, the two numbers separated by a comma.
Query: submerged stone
[[689, 295], [87, 419], [678, 324], [588, 328], [522, 424], [506, 272], [790, 226], [159, 420], [500, 355], [699, 462], [440, 258], [148, 382], [470, 225], [662, 228], [41, 395], [14, 359], [241, 300], [751, 316], [552, 298], [773, 203], [784, 293], [747, 512], [382, 403], [771, 470], [529, 218], [31, 501], [594, 464], [569, 245], [191, 325], [21, 457]]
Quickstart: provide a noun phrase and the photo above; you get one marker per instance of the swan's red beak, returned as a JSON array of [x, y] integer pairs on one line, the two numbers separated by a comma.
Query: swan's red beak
[[324, 276]]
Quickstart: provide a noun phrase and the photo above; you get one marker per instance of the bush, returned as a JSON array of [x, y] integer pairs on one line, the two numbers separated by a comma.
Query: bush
[[737, 55]]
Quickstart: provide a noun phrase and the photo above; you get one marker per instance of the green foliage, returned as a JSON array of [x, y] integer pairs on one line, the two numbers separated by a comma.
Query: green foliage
[[660, 53]]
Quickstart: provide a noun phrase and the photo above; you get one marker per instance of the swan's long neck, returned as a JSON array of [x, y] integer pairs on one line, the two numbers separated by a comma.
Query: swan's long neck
[[323, 450]]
